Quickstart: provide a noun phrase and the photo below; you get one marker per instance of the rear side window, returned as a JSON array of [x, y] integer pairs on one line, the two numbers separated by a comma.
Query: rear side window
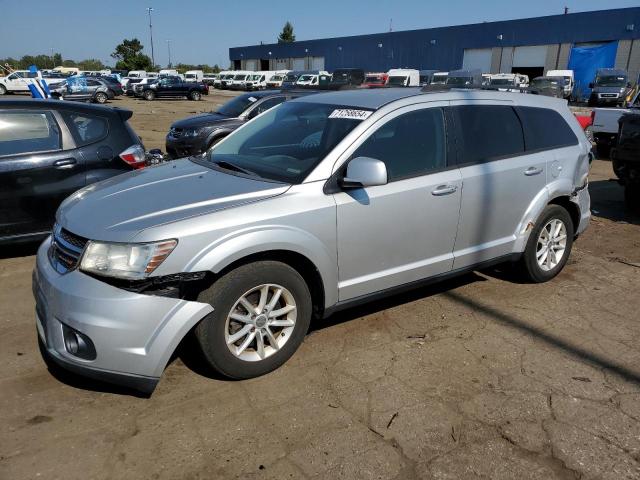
[[86, 129], [545, 129], [411, 144], [488, 132], [28, 132]]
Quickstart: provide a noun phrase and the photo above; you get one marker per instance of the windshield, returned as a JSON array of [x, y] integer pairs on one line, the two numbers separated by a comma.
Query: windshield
[[239, 77], [287, 142], [277, 78], [611, 81], [439, 79], [544, 82], [459, 81], [503, 81], [291, 77], [397, 81], [305, 78], [339, 76], [233, 108], [191, 75], [255, 77]]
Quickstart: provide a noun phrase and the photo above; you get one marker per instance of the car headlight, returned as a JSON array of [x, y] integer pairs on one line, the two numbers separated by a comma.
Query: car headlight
[[191, 132], [125, 260]]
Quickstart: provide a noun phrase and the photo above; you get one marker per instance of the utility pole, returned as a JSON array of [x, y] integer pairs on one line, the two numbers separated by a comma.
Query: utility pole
[[153, 59], [169, 47]]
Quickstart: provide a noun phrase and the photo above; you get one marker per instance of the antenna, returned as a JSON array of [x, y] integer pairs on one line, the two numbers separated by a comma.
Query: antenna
[[391, 24]]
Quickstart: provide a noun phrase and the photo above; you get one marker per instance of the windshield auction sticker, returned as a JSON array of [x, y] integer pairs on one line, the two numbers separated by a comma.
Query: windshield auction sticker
[[351, 114]]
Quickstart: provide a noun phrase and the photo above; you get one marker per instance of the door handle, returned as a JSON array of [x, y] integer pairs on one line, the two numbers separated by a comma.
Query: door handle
[[529, 172], [66, 163], [444, 190]]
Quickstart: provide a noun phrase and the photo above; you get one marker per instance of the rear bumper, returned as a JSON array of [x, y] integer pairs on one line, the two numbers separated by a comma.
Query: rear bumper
[[133, 335]]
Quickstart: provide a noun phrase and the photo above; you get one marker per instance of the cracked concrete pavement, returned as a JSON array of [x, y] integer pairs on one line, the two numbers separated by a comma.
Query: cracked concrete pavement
[[478, 377]]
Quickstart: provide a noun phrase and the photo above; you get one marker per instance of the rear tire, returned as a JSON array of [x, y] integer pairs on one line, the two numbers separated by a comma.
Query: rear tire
[[221, 335], [101, 97], [149, 95], [549, 245], [195, 95]]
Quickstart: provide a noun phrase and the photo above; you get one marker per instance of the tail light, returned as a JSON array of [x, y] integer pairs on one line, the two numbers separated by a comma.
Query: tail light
[[134, 156]]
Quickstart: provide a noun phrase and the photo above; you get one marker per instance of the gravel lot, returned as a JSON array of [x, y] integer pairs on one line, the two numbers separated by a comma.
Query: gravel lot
[[480, 377]]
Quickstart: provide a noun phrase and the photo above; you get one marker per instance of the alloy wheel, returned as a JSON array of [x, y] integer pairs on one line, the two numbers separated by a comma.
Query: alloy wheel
[[260, 322], [552, 244]]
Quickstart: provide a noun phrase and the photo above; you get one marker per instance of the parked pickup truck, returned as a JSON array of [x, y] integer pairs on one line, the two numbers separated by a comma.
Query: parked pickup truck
[[17, 81], [605, 125], [174, 87]]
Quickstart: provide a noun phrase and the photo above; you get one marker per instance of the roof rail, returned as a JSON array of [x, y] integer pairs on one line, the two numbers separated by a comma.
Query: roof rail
[[448, 88]]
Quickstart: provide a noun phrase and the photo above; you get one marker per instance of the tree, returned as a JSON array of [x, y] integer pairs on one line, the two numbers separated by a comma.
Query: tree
[[287, 35], [130, 57], [90, 64], [57, 60]]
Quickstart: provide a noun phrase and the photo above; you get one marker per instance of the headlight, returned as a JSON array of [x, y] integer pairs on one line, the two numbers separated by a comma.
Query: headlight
[[132, 261], [191, 132]]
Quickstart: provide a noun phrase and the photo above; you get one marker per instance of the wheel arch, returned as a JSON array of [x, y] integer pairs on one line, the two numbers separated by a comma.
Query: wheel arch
[[565, 202]]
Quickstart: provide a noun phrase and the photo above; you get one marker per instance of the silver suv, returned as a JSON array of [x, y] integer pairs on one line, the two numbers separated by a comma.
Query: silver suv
[[316, 205]]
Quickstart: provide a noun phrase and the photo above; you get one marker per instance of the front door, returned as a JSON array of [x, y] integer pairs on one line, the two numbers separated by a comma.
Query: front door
[[405, 230], [36, 172]]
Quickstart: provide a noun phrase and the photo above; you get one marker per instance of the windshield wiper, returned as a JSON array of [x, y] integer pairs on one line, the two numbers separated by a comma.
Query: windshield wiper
[[231, 166]]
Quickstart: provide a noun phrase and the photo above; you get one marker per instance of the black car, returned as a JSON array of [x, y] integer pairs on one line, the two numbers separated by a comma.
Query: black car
[[48, 150], [195, 135], [169, 87], [547, 86], [625, 159], [346, 77]]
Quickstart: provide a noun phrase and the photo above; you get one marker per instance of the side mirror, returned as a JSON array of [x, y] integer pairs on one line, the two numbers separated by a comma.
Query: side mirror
[[591, 85], [365, 172]]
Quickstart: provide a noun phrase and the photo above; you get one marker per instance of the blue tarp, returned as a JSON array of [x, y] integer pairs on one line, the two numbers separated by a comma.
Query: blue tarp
[[584, 61]]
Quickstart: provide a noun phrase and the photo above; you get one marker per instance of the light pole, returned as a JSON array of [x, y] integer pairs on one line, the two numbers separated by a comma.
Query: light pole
[[153, 59], [169, 48]]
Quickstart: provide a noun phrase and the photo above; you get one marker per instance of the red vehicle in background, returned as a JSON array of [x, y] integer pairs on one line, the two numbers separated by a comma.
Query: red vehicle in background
[[585, 121], [375, 80]]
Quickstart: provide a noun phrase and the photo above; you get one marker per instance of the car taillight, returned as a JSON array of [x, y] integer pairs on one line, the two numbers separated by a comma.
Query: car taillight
[[134, 156]]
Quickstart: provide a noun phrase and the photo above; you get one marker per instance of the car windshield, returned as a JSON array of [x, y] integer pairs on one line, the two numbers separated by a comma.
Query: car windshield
[[239, 77], [502, 81], [305, 78], [544, 82], [233, 108], [287, 142], [255, 77], [458, 80], [190, 75], [277, 78], [611, 81], [395, 80], [291, 77]]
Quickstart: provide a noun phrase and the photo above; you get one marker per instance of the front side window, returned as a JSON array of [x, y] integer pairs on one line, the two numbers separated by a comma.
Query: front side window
[[411, 144], [86, 129], [287, 142], [488, 132], [266, 105], [28, 132]]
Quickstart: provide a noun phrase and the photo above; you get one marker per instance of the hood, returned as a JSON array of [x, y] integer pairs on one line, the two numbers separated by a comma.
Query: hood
[[122, 206], [200, 120]]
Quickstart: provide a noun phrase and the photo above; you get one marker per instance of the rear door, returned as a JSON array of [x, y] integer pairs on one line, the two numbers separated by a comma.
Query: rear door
[[499, 179], [39, 167]]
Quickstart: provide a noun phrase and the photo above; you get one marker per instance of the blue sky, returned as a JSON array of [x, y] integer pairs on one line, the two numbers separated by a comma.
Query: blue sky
[[202, 31]]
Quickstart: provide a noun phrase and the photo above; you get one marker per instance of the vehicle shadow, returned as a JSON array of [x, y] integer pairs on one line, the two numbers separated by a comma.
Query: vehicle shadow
[[607, 201]]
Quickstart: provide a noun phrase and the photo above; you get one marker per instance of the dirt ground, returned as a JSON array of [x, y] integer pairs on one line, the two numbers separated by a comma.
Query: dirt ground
[[480, 377]]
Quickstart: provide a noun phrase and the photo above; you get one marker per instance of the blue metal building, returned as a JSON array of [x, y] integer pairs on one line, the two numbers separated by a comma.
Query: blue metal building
[[532, 46]]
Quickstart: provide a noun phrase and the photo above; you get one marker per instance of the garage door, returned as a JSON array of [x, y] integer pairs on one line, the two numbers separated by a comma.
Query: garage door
[[535, 56], [251, 65], [298, 63], [477, 58], [281, 64], [317, 63]]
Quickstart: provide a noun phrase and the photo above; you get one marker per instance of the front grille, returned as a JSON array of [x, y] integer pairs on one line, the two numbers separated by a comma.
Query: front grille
[[65, 249]]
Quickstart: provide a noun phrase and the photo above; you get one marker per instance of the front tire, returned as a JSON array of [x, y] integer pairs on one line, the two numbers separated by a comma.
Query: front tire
[[262, 312], [149, 95], [549, 245]]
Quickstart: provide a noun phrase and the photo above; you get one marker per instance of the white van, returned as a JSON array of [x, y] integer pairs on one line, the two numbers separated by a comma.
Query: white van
[[169, 72], [403, 77], [193, 76], [152, 74], [277, 79], [239, 79], [506, 81], [137, 74], [258, 81], [568, 80]]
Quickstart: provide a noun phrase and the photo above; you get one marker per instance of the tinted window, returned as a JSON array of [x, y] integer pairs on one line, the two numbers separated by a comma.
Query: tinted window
[[545, 129], [93, 83], [266, 105], [86, 129], [488, 132], [27, 132], [233, 108], [409, 145]]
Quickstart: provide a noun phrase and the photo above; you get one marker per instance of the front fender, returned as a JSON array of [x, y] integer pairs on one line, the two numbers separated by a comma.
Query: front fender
[[240, 244]]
